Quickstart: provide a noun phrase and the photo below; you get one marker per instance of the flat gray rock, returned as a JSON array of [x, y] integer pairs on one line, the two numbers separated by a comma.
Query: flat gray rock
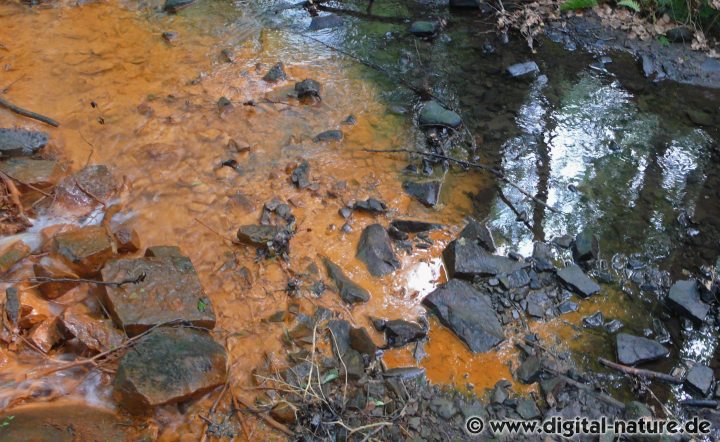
[[576, 279], [375, 250], [20, 142], [466, 259], [633, 350], [684, 297]]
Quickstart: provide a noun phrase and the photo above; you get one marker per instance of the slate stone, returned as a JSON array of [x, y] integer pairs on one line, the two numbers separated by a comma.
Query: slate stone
[[527, 409], [411, 226], [339, 336], [399, 333], [522, 69], [444, 408], [38, 173], [169, 365], [567, 307], [300, 177], [257, 235], [375, 250], [427, 192], [423, 28], [468, 313], [585, 247], [596, 320], [21, 142], [160, 251], [325, 22], [684, 297], [170, 291], [576, 279], [349, 291], [434, 114], [307, 89], [84, 250], [466, 259], [700, 378], [361, 342], [371, 205], [328, 135], [633, 350], [529, 370], [479, 233], [276, 73]]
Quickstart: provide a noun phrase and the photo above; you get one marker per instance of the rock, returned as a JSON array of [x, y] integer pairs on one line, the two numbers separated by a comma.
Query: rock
[[37, 173], [13, 254], [567, 307], [434, 114], [479, 233], [46, 334], [576, 279], [468, 313], [700, 378], [84, 250], [648, 65], [325, 22], [300, 177], [700, 118], [354, 366], [86, 187], [564, 241], [444, 408], [50, 267], [371, 205], [275, 74], [522, 69], [527, 409], [167, 366], [96, 334], [410, 226], [339, 336], [637, 410], [12, 305], [515, 280], [680, 34], [127, 239], [328, 136], [633, 350], [466, 259], [256, 235], [349, 291], [170, 36], [427, 192], [308, 90], [284, 412], [361, 341], [423, 28], [684, 297], [375, 250], [465, 4], [595, 320], [174, 6], [585, 247], [21, 142], [404, 373], [613, 326], [170, 291], [399, 333], [161, 251], [500, 394], [529, 370]]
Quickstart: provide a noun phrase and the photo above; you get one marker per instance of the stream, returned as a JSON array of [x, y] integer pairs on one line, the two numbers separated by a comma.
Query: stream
[[605, 150]]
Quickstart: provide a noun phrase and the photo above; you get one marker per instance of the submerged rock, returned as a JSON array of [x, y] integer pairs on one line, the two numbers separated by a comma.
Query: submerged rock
[[327, 136], [371, 205], [174, 6], [170, 291], [422, 28], [86, 187], [169, 365], [38, 173], [257, 235], [585, 247], [468, 313], [522, 69], [46, 334], [325, 22], [300, 177], [411, 226], [427, 192], [375, 250], [700, 379], [96, 334], [575, 278], [85, 250], [684, 297], [434, 114], [21, 142], [479, 233], [466, 259], [275, 74], [633, 350], [349, 291], [308, 89]]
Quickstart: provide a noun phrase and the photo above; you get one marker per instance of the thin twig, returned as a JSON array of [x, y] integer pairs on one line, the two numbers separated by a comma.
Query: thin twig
[[27, 113], [44, 279], [640, 372]]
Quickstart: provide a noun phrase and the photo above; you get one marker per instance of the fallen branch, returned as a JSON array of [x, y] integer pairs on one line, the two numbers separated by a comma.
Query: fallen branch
[[640, 372], [700, 403], [237, 401], [470, 164], [27, 113], [44, 279]]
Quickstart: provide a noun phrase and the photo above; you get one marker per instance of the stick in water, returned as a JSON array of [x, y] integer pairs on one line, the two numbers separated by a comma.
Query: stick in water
[[27, 113]]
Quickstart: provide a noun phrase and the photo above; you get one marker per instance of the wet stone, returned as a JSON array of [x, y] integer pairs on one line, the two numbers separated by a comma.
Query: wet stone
[[49, 267], [404, 373], [20, 142], [328, 136], [256, 235], [564, 241], [576, 279], [399, 333], [595, 320], [354, 366], [527, 409], [85, 250], [479, 233], [444, 408], [339, 335], [567, 307], [680, 34], [170, 291], [700, 379], [468, 313], [423, 28], [633, 350], [375, 250], [371, 205], [684, 297], [529, 370], [308, 89], [85, 187], [522, 69], [161, 251], [300, 177], [12, 254], [38, 173], [613, 326], [466, 259], [345, 212], [12, 305], [169, 365], [434, 114], [96, 334], [517, 279], [349, 291], [127, 239], [275, 74], [361, 341], [325, 22], [174, 6], [585, 247], [411, 226], [284, 412], [46, 334]]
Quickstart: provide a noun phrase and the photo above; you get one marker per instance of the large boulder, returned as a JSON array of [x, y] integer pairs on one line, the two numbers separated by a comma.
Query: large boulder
[[349, 291], [375, 250], [169, 291], [84, 250], [633, 350], [21, 142], [466, 259], [684, 297], [468, 313], [578, 281], [169, 365]]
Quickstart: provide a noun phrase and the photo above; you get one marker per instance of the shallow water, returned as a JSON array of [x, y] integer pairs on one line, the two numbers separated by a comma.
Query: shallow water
[[608, 150]]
